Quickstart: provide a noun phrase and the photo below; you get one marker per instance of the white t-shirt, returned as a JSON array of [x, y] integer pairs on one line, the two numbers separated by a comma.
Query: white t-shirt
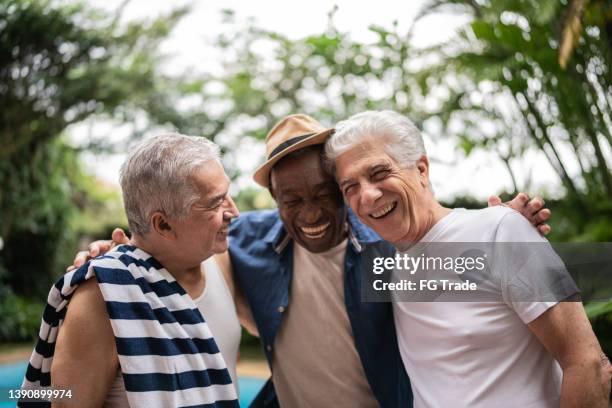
[[478, 354]]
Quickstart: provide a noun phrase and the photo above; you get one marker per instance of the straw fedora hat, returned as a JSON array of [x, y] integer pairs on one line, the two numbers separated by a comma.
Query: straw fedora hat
[[290, 134]]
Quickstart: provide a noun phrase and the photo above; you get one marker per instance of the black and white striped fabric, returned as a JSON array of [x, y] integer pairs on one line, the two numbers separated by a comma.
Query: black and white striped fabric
[[168, 355]]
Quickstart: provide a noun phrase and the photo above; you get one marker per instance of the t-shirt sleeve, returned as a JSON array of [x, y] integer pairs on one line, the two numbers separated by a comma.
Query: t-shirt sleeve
[[533, 277]]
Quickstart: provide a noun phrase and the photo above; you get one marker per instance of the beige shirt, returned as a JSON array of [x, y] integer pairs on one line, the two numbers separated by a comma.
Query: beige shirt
[[315, 362]]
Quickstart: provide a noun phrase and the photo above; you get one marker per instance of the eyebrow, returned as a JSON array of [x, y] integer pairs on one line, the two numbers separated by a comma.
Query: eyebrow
[[379, 167], [369, 170], [345, 182], [217, 198]]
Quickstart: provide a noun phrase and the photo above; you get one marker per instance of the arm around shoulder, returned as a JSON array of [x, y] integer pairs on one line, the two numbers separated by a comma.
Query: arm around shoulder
[[242, 306]]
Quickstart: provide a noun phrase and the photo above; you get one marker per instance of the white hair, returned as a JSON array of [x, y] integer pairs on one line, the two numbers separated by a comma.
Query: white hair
[[156, 176], [400, 138]]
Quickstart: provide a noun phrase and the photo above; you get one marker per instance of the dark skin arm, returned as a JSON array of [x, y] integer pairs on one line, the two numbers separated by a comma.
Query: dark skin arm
[[533, 210]]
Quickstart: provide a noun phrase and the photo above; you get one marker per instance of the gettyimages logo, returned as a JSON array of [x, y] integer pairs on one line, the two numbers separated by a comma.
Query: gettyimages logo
[[412, 264], [486, 271]]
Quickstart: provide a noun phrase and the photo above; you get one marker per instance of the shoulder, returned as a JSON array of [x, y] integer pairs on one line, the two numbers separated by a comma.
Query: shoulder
[[491, 224], [512, 226], [86, 324], [490, 215], [87, 302], [221, 266], [497, 220]]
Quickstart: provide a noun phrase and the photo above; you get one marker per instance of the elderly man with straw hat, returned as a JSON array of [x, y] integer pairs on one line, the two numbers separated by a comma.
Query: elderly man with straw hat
[[298, 283]]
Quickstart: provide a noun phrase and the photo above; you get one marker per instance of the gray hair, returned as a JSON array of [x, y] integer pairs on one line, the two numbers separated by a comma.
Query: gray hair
[[400, 138], [156, 177]]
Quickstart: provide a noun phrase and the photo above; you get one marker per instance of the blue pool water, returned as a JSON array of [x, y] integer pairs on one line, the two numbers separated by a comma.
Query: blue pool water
[[11, 376]]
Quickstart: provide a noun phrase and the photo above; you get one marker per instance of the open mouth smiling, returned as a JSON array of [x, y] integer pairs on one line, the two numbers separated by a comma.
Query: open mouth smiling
[[383, 212], [315, 232]]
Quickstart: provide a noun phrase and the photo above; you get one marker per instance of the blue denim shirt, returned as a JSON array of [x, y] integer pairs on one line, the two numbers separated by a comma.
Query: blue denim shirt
[[261, 252]]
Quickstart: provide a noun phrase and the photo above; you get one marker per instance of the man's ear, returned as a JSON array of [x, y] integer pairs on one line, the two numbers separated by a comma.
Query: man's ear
[[422, 166], [271, 183], [161, 225]]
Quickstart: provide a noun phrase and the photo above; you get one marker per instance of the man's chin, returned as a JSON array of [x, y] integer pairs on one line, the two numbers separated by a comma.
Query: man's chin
[[316, 246], [391, 236], [221, 246]]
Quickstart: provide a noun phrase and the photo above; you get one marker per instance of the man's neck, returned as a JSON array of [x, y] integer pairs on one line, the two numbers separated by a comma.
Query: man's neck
[[190, 277], [435, 212]]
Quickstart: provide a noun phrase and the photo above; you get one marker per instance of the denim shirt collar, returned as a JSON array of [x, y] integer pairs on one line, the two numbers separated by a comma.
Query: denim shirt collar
[[358, 234]]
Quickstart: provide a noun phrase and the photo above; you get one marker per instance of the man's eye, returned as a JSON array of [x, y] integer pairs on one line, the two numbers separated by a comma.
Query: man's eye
[[325, 194], [216, 205], [291, 202], [380, 174], [349, 189]]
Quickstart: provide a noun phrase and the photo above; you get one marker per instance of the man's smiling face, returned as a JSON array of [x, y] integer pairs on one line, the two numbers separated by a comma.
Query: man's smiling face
[[389, 199], [309, 201]]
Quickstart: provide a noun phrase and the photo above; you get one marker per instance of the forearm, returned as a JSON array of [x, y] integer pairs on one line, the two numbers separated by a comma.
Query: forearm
[[585, 384], [245, 316]]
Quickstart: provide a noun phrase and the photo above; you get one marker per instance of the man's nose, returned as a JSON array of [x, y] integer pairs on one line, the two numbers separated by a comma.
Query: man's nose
[[231, 210], [370, 194], [311, 213]]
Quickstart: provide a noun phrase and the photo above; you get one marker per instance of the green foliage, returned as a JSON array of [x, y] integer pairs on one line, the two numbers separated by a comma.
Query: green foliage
[[20, 317], [254, 199], [61, 63], [506, 60]]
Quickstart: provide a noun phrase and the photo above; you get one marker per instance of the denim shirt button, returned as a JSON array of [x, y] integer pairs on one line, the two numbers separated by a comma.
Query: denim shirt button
[[281, 309]]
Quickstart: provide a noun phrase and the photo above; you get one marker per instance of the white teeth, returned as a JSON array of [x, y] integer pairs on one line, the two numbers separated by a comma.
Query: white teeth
[[315, 232], [383, 211]]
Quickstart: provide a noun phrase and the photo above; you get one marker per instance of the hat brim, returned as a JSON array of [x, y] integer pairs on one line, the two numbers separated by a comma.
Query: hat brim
[[262, 175]]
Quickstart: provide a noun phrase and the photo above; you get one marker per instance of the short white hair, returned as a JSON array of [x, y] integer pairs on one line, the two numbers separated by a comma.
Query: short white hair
[[156, 176], [400, 138]]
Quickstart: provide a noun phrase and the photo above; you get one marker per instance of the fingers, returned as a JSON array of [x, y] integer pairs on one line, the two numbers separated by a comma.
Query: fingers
[[98, 248], [543, 229], [80, 258], [535, 204], [519, 201], [494, 200], [542, 216], [94, 249], [119, 237]]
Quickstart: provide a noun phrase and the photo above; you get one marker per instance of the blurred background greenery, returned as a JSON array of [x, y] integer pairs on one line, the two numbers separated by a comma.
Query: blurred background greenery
[[519, 76]]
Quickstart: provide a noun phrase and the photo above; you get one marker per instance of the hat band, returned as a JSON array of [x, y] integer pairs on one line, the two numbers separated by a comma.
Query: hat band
[[288, 143]]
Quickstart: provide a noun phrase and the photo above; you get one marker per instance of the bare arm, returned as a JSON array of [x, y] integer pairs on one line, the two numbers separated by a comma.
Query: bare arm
[[85, 359], [566, 333], [242, 306]]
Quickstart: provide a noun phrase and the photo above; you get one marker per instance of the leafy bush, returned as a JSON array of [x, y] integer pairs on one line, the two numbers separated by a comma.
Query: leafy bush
[[20, 317]]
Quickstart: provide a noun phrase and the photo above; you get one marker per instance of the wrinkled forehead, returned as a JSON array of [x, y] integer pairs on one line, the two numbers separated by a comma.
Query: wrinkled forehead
[[302, 168], [360, 158], [210, 179]]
